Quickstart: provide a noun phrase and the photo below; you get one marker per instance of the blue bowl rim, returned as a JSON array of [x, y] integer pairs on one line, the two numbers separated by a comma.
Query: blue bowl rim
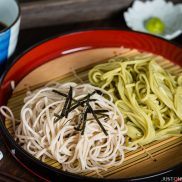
[[17, 18]]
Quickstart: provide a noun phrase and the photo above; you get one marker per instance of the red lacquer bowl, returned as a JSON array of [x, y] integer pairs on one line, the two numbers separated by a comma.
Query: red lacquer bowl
[[62, 45]]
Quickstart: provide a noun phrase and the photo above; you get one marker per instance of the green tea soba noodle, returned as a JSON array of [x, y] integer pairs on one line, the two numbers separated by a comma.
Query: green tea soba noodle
[[149, 97]]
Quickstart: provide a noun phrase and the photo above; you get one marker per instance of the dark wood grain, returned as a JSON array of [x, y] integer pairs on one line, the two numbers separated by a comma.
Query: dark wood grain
[[9, 166], [6, 177], [56, 12]]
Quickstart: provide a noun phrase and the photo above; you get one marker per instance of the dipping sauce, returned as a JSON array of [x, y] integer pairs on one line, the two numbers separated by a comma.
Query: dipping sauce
[[2, 26]]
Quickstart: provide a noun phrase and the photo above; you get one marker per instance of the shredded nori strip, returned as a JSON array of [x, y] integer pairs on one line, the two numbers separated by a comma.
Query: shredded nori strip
[[85, 111], [69, 102], [79, 128], [103, 115], [80, 104], [57, 115], [84, 102], [72, 108], [98, 92], [84, 120], [60, 93], [98, 111], [95, 116], [63, 113], [89, 95]]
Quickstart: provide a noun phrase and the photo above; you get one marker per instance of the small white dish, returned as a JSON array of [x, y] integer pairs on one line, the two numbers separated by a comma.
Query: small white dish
[[167, 12]]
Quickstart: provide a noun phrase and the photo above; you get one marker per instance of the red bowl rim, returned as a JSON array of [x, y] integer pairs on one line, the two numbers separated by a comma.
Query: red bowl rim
[[40, 163]]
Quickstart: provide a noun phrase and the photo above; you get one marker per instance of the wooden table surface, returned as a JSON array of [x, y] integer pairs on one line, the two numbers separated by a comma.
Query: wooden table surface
[[28, 38]]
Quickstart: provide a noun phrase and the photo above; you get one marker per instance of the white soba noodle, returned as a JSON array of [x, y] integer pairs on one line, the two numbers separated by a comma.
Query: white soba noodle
[[88, 137]]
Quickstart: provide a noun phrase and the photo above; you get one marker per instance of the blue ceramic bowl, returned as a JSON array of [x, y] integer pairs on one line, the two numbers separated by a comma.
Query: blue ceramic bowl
[[9, 16]]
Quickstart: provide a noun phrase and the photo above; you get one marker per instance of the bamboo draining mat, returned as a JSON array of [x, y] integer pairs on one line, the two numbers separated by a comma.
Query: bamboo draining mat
[[151, 158]]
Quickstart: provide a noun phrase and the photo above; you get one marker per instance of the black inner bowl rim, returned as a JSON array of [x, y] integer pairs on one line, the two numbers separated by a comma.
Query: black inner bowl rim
[[44, 165]]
